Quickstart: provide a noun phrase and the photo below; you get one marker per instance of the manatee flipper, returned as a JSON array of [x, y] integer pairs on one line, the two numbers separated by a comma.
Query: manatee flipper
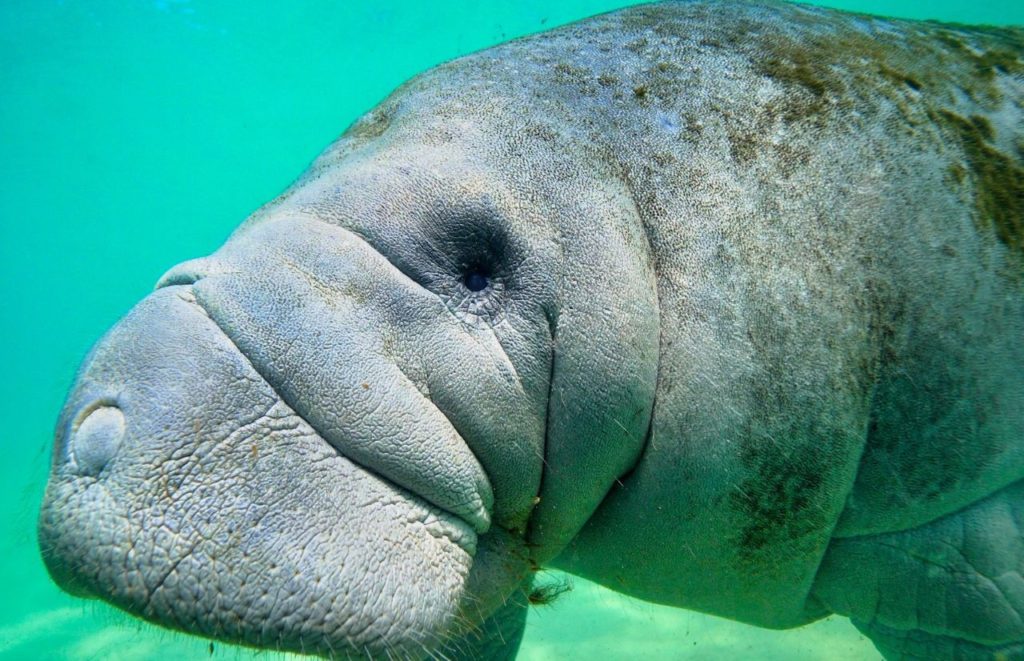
[[949, 589], [918, 645], [498, 638]]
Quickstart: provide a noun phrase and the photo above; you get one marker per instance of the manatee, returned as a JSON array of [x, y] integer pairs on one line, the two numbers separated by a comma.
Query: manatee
[[716, 304]]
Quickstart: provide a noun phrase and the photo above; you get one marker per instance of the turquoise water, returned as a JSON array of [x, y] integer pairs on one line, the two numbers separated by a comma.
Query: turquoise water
[[134, 135]]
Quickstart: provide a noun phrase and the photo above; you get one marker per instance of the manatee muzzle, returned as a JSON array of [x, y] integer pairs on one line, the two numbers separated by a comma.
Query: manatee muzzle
[[186, 490]]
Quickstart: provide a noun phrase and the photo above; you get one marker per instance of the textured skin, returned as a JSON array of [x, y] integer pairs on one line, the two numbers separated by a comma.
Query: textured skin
[[751, 345]]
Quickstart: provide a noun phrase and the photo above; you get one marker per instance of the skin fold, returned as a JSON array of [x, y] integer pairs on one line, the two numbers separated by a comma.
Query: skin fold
[[716, 304]]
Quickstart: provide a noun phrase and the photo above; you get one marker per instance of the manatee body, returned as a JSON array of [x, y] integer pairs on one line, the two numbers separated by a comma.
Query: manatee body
[[717, 304]]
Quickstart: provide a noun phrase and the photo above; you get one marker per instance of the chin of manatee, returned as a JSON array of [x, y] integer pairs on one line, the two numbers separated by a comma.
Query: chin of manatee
[[716, 304]]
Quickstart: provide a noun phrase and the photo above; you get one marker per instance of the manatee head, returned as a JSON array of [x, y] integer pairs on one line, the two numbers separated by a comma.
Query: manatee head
[[394, 391]]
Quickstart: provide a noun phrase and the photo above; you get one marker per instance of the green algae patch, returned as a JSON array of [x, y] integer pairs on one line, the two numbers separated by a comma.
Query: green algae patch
[[998, 179], [988, 62], [783, 500], [578, 77], [900, 77], [827, 77], [797, 67], [845, 65], [373, 124]]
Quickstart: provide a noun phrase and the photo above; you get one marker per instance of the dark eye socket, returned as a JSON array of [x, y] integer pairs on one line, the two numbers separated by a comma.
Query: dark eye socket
[[476, 279]]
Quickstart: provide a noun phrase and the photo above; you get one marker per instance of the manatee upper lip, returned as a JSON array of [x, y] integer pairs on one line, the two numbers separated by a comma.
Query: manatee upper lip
[[472, 514]]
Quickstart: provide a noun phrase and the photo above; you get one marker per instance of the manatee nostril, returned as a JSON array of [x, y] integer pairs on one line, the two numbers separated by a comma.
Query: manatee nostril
[[178, 275], [95, 438], [191, 272]]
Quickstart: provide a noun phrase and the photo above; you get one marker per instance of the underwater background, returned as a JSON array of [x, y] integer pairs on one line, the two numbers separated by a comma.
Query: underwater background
[[135, 134]]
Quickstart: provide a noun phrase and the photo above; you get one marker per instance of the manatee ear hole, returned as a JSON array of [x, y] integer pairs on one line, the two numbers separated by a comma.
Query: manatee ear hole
[[476, 279]]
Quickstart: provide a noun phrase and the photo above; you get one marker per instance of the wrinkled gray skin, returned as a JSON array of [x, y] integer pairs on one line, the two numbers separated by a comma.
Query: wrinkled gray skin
[[750, 343]]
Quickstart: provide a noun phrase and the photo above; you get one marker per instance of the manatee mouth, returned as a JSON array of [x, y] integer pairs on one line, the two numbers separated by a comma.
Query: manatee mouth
[[460, 488]]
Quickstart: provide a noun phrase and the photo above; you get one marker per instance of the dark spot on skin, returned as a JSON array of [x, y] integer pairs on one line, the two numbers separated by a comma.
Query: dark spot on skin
[[957, 174], [917, 390], [952, 41], [749, 144], [636, 46], [930, 464], [542, 132], [982, 126], [780, 499], [792, 446], [743, 146], [899, 77], [998, 179], [796, 68], [579, 77], [694, 126], [662, 82], [806, 78], [564, 68], [663, 159]]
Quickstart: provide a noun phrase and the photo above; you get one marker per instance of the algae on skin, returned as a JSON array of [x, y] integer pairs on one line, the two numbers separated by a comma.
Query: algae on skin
[[998, 179]]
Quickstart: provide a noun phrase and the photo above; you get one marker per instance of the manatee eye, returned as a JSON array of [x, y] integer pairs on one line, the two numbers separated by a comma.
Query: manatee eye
[[476, 280]]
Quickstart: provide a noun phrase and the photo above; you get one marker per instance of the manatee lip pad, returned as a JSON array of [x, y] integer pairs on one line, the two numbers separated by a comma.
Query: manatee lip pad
[[98, 429], [470, 502]]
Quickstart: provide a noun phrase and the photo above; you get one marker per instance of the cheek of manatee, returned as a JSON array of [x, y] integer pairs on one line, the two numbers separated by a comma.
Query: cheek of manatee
[[716, 304]]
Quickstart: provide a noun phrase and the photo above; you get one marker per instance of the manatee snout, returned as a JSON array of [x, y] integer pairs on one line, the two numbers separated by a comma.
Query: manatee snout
[[187, 490]]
